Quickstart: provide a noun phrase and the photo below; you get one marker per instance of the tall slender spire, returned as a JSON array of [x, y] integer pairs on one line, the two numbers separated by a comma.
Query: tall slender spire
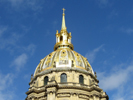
[[63, 27]]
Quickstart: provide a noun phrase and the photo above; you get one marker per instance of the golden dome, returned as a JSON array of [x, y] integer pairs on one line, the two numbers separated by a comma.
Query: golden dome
[[63, 56]]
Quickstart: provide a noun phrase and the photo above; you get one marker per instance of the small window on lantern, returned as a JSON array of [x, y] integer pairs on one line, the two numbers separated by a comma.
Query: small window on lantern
[[61, 38]]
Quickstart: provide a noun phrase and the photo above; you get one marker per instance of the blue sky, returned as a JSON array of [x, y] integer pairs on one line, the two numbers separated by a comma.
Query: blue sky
[[102, 31]]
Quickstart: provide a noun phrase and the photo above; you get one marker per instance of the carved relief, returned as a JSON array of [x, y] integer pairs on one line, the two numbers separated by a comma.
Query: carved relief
[[79, 60], [63, 57]]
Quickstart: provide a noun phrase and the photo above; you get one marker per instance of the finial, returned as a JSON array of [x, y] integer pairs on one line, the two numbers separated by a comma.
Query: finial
[[63, 27], [63, 10]]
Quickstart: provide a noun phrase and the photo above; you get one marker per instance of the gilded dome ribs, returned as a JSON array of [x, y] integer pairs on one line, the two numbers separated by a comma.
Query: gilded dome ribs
[[64, 58]]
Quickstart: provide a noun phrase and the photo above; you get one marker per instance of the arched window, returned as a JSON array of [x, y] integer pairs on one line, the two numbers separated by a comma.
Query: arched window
[[81, 79], [63, 78], [45, 80]]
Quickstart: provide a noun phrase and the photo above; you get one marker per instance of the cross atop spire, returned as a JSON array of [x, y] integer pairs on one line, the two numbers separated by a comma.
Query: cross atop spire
[[63, 10]]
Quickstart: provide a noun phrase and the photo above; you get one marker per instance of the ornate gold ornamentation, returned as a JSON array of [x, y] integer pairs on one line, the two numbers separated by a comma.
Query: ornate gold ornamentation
[[63, 53], [88, 63], [78, 59], [63, 59], [48, 59]]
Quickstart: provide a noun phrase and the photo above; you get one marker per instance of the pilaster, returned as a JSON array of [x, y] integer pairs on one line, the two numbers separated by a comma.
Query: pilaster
[[51, 89]]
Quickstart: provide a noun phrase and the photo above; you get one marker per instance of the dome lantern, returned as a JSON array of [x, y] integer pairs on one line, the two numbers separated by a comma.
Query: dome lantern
[[63, 39]]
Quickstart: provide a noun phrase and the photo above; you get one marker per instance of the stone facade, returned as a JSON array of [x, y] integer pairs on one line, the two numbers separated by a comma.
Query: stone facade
[[70, 90]]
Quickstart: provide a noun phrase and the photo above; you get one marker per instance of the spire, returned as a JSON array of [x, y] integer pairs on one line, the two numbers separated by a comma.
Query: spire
[[63, 27]]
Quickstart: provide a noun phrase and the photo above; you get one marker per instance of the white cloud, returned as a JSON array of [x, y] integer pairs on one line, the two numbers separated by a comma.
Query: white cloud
[[114, 80], [20, 61], [123, 93], [15, 2], [24, 4], [127, 30], [5, 83], [92, 54], [102, 3], [119, 81], [8, 39], [9, 42], [7, 95], [2, 30], [31, 48], [5, 80]]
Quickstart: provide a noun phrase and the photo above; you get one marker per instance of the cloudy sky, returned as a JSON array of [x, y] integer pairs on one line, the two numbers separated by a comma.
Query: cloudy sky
[[102, 31]]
